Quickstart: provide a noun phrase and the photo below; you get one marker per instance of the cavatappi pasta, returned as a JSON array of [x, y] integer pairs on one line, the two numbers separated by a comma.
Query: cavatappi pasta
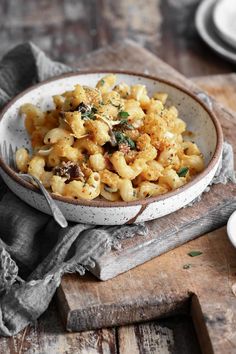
[[113, 141]]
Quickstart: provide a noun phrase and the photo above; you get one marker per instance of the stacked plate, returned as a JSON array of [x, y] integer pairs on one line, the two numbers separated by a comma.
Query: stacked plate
[[216, 24]]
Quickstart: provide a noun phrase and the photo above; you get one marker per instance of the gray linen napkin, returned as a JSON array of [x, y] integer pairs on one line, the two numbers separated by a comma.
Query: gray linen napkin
[[34, 251]]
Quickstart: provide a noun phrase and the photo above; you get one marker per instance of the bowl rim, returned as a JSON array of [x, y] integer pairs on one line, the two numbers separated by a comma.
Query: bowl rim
[[104, 203]]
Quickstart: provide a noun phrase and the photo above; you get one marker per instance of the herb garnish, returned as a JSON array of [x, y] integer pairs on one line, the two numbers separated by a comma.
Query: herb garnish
[[102, 82], [89, 115], [87, 112], [183, 171], [126, 124], [194, 253], [121, 138], [123, 114]]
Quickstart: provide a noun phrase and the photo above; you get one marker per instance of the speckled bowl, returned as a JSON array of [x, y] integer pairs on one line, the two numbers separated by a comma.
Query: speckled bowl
[[199, 119]]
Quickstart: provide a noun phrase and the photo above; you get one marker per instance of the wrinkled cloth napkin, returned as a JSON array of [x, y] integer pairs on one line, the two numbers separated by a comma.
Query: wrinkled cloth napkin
[[34, 251]]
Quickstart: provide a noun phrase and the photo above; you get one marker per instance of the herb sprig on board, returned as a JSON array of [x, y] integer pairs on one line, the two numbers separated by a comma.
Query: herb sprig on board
[[194, 253]]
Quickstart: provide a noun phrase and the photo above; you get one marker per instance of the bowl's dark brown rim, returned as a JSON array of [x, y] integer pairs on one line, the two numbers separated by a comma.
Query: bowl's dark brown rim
[[104, 203]]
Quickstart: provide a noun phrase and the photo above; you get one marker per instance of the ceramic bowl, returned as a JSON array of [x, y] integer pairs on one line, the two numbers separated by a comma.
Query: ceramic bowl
[[199, 119]]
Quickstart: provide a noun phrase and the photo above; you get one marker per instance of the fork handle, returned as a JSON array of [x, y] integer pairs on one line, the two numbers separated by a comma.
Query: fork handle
[[56, 212]]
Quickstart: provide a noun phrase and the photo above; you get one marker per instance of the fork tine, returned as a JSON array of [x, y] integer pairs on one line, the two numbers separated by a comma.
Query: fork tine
[[8, 154], [14, 157], [11, 155], [5, 153]]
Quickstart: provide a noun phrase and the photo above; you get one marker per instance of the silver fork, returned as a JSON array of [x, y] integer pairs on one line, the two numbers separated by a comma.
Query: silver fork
[[8, 156]]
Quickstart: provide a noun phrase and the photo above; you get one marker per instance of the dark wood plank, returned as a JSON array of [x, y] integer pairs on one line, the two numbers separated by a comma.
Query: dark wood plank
[[182, 47], [88, 303], [47, 336], [67, 29], [171, 335]]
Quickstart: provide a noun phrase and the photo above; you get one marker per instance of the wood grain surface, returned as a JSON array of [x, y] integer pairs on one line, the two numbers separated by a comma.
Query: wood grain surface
[[48, 336], [163, 285], [163, 337], [67, 29]]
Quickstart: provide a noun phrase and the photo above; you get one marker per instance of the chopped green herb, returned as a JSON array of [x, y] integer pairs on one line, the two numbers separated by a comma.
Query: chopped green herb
[[194, 253], [89, 114], [187, 266], [102, 82], [183, 171], [123, 114], [126, 124], [123, 139], [120, 137], [131, 143]]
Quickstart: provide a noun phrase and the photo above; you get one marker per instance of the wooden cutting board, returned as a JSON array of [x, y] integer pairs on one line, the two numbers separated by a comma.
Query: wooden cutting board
[[166, 284]]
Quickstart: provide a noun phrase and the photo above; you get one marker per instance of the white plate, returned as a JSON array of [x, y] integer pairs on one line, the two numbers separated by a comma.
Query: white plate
[[231, 229], [224, 16], [206, 29]]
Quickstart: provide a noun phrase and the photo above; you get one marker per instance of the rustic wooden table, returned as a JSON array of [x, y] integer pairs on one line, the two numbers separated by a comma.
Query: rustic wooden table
[[65, 30]]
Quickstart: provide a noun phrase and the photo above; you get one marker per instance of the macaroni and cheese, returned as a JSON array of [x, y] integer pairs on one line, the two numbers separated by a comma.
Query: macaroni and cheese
[[113, 141]]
